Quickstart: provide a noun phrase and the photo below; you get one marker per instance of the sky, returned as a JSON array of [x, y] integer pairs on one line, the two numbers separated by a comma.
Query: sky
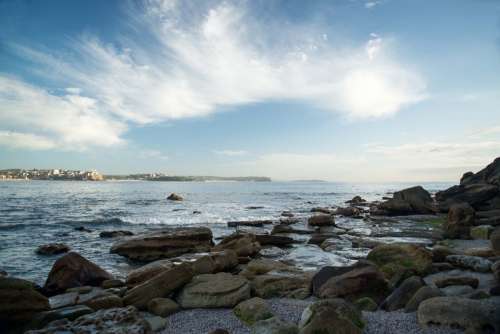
[[344, 90]]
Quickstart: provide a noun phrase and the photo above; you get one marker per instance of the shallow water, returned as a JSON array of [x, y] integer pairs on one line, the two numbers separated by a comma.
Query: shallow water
[[37, 212]]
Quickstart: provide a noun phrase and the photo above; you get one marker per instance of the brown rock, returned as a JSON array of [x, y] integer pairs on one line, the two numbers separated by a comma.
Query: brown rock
[[321, 220], [19, 300], [242, 243], [175, 197], [460, 220], [51, 249]]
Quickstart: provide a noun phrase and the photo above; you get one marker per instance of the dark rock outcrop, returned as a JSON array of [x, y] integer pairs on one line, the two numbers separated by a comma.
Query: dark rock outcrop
[[114, 234], [51, 249], [321, 220], [414, 200], [175, 197], [402, 294], [460, 220], [244, 244]]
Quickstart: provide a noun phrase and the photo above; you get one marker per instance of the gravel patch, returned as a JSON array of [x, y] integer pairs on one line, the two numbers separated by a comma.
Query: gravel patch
[[202, 321]]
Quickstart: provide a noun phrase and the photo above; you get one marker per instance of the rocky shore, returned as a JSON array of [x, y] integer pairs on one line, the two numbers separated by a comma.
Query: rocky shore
[[191, 282]]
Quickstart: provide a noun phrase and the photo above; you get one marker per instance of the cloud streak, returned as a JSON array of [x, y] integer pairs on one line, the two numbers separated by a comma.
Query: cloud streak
[[197, 64]]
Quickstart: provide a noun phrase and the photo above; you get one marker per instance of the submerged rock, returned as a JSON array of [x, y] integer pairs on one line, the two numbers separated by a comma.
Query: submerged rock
[[73, 270], [114, 234], [51, 249], [165, 243]]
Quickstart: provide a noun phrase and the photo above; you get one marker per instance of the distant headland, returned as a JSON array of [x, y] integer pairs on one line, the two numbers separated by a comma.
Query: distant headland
[[93, 175]]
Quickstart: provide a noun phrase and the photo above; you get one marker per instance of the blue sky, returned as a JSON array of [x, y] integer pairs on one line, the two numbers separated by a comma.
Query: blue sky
[[347, 90]]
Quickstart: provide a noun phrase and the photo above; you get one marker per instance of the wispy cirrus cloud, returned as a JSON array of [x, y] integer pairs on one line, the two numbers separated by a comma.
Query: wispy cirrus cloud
[[197, 59]]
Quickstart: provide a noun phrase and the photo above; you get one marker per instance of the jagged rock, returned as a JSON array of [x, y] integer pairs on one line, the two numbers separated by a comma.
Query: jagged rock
[[457, 280], [473, 194], [253, 310], [361, 282], [321, 220], [19, 300], [161, 285], [490, 174], [466, 313], [163, 307], [459, 222], [200, 264], [331, 316], [474, 263], [274, 326], [73, 270], [404, 259], [41, 320], [402, 294], [114, 234], [242, 243], [214, 290], [51, 249], [424, 293], [175, 197], [112, 321], [165, 243], [414, 200]]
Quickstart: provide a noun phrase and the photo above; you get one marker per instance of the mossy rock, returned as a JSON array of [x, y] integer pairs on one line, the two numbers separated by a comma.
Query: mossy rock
[[252, 310], [395, 259], [366, 304]]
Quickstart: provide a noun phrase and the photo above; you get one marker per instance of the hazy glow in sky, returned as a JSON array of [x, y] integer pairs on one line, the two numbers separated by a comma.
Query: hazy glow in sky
[[347, 90]]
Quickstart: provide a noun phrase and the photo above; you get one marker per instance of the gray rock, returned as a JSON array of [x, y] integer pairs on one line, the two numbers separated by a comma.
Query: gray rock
[[402, 294], [162, 306], [424, 293], [466, 313], [457, 290], [70, 313], [253, 310], [274, 326], [474, 263], [457, 280]]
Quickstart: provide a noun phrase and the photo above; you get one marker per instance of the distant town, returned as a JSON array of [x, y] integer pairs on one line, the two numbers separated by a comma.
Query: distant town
[[93, 175]]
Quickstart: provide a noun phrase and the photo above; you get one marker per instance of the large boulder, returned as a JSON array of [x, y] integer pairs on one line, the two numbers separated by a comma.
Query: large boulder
[[161, 285], [253, 310], [282, 283], [331, 316], [116, 320], [19, 301], [361, 282], [402, 294], [490, 174], [325, 273], [459, 222], [321, 220], [214, 290], [73, 270], [204, 263], [244, 244], [165, 243], [417, 197], [406, 259], [474, 194], [472, 315]]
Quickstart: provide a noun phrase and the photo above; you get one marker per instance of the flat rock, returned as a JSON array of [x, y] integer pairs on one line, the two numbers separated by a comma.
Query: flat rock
[[470, 262]]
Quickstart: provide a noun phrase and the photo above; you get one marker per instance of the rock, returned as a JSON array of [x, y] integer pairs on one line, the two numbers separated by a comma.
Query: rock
[[401, 258], [175, 197], [272, 252], [254, 207], [459, 222], [289, 220], [161, 285], [348, 211], [402, 294], [414, 200], [165, 243], [3, 273], [273, 240], [392, 207], [361, 282], [242, 243], [287, 214], [281, 283], [114, 234], [333, 244], [457, 290], [262, 266], [274, 326], [115, 320], [474, 263], [457, 280], [163, 307], [356, 200], [64, 300], [424, 293], [156, 323], [473, 194], [366, 304], [104, 302], [441, 266], [214, 290], [112, 283], [327, 211], [325, 273], [251, 223], [495, 268], [253, 310], [331, 316], [82, 229], [478, 294], [285, 228], [51, 249], [481, 232], [462, 312], [70, 313], [495, 240], [73, 270], [439, 253], [490, 174], [321, 220], [19, 300], [200, 264]]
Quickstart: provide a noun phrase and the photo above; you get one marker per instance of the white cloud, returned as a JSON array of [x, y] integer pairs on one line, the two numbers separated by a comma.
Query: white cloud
[[198, 60], [372, 4], [231, 153], [25, 141]]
